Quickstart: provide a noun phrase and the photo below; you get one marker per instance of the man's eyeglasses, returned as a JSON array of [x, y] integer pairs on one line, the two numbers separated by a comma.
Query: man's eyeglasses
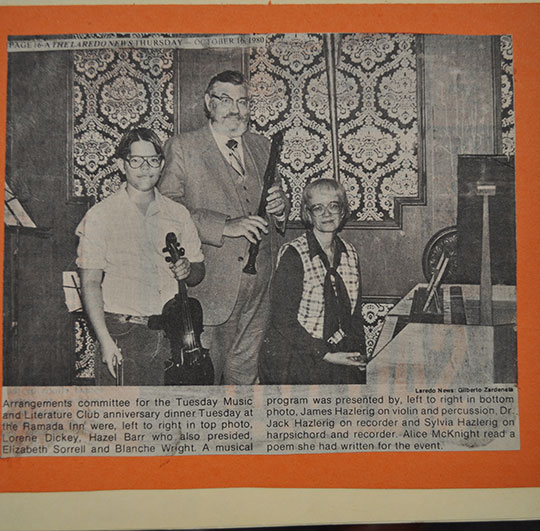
[[335, 207], [228, 102], [138, 160]]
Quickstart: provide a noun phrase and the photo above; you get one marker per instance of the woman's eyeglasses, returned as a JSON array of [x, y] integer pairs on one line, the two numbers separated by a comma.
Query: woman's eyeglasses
[[335, 207], [138, 160]]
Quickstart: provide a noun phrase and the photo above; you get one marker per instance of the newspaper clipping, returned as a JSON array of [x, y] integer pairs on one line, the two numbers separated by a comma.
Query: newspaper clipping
[[344, 277]]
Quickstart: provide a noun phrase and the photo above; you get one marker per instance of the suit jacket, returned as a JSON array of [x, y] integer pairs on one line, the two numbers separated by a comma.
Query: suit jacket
[[197, 175]]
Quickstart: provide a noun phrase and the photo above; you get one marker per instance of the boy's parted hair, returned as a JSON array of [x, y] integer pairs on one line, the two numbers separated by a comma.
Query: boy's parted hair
[[323, 184], [134, 135]]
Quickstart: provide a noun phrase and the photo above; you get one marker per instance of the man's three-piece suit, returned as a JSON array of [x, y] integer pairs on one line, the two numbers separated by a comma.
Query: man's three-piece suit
[[235, 304]]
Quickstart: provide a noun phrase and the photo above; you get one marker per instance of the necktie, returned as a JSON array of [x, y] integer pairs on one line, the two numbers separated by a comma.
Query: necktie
[[337, 306], [234, 157]]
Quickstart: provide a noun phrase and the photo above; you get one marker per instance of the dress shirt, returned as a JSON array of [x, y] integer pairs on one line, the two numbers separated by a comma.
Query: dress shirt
[[116, 237], [221, 141]]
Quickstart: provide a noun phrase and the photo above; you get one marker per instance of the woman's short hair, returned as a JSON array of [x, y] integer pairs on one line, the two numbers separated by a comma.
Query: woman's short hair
[[134, 135], [323, 184]]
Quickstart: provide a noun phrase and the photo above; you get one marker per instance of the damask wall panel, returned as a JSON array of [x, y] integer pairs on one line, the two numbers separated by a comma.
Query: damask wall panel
[[288, 91], [86, 348], [114, 90], [377, 117], [374, 311], [507, 95], [378, 124]]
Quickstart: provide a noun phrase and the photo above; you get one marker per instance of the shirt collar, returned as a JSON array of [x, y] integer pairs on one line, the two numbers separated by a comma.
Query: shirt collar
[[153, 208], [221, 139], [315, 248]]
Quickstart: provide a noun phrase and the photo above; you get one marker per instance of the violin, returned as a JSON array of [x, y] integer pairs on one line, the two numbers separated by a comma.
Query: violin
[[182, 321]]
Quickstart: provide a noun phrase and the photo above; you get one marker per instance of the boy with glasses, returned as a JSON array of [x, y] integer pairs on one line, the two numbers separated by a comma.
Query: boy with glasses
[[124, 276]]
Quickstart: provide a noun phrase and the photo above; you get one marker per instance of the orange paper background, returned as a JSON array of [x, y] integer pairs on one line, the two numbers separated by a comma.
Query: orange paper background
[[361, 470]]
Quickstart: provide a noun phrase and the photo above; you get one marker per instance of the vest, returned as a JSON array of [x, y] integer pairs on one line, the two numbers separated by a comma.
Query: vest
[[311, 309], [248, 189]]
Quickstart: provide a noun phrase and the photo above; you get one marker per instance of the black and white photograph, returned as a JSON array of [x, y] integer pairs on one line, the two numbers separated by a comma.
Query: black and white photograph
[[243, 220]]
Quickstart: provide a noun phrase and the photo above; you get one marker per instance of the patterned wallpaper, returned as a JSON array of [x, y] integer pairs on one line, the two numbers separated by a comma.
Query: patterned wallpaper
[[507, 95], [378, 124], [113, 90], [288, 91], [376, 101], [86, 348], [377, 117], [374, 311]]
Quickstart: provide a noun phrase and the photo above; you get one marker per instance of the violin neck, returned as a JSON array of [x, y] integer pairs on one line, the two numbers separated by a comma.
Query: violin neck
[[182, 291]]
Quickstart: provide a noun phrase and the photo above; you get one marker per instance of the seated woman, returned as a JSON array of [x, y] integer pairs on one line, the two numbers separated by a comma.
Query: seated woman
[[316, 333]]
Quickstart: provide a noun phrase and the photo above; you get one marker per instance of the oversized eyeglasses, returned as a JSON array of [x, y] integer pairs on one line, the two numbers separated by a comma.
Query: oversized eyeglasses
[[138, 160], [335, 207], [228, 102]]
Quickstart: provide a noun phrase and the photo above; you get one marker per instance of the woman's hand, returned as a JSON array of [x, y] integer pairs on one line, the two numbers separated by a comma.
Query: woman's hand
[[352, 359]]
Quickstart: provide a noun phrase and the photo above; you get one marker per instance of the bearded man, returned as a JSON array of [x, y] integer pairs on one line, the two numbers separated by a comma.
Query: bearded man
[[217, 173]]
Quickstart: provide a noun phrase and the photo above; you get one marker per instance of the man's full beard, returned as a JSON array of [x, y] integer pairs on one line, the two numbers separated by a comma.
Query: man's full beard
[[235, 124]]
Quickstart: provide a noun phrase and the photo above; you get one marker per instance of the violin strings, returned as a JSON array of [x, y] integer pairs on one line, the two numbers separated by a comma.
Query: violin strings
[[186, 314]]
